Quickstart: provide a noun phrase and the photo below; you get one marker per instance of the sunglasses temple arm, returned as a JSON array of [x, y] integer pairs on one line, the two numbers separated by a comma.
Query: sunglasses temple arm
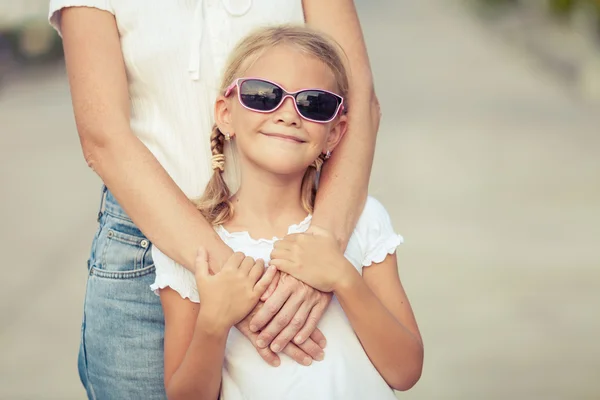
[[230, 88]]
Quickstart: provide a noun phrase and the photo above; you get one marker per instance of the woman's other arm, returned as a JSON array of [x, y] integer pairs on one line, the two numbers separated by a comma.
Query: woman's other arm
[[100, 96], [345, 178]]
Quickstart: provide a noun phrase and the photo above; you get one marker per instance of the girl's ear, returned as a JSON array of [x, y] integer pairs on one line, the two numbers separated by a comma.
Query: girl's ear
[[337, 132], [223, 114]]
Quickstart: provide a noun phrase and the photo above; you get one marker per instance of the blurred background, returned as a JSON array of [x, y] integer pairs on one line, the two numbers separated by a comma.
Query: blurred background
[[488, 160]]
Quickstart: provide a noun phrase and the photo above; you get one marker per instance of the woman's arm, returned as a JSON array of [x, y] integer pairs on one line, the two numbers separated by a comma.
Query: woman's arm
[[380, 313], [101, 104], [194, 350], [345, 178], [149, 196]]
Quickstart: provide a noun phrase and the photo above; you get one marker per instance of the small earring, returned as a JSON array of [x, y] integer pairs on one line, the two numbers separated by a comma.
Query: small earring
[[328, 154], [227, 136]]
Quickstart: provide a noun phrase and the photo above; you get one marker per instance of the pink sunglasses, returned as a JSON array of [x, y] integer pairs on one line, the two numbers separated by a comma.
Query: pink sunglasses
[[260, 95]]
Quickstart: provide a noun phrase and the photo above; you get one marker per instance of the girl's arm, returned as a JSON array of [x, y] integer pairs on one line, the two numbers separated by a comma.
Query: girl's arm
[[194, 350], [345, 177], [375, 303], [100, 97], [195, 336], [380, 313]]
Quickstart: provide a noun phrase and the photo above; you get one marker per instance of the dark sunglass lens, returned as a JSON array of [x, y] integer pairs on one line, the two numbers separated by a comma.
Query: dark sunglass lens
[[260, 95], [317, 105]]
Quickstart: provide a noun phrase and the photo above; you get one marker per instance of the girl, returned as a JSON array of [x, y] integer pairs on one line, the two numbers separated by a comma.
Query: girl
[[282, 105]]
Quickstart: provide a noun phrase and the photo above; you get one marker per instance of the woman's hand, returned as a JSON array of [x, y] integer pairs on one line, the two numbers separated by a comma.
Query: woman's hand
[[229, 295], [291, 311], [314, 258], [303, 353]]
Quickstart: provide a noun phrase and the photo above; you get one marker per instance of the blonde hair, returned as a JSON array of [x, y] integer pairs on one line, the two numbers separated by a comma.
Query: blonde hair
[[215, 203]]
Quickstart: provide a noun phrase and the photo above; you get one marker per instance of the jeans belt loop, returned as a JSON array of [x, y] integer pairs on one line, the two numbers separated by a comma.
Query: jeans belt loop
[[102, 200]]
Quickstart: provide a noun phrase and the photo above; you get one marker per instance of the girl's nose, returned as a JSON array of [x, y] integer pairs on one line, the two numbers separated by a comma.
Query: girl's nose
[[286, 113]]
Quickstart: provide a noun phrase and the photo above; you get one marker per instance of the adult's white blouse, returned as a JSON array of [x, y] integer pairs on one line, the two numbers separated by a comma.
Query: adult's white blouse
[[174, 53]]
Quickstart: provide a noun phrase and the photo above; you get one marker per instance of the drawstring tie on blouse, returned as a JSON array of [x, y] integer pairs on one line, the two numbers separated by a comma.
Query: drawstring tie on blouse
[[235, 8]]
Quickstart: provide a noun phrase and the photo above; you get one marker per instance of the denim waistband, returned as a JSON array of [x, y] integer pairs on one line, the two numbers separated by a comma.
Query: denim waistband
[[109, 204]]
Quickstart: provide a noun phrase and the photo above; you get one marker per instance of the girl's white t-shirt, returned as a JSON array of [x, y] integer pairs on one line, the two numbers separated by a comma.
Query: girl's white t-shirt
[[346, 372], [175, 53]]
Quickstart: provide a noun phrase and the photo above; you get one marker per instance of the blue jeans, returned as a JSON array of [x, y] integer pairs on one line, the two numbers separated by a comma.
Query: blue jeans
[[121, 352]]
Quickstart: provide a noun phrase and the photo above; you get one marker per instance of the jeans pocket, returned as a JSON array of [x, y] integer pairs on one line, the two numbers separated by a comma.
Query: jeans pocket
[[121, 251]]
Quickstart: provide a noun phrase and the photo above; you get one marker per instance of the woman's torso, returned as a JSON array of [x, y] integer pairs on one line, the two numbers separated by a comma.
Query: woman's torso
[[171, 112]]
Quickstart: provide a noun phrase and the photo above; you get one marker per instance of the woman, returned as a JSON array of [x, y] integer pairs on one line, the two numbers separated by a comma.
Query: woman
[[143, 80]]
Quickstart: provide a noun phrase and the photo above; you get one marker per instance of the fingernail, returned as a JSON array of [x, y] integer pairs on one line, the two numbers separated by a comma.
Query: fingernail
[[260, 343], [298, 339], [276, 363], [253, 328], [320, 356], [307, 361], [323, 343], [276, 348]]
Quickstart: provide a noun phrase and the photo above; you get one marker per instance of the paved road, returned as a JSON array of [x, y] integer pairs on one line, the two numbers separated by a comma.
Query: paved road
[[488, 167]]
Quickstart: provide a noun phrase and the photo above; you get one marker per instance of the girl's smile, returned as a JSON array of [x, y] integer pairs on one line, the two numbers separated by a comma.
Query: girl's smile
[[285, 137]]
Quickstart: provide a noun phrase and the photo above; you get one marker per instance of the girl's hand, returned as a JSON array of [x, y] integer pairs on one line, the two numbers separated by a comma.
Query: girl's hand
[[313, 257], [229, 295]]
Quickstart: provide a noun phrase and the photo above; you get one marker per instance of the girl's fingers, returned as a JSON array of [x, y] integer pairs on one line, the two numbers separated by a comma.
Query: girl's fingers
[[284, 265], [234, 261], [281, 253], [258, 269], [272, 286], [264, 282], [266, 353], [247, 264]]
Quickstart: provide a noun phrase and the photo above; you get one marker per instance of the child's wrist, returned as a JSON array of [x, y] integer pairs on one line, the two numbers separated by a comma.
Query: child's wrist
[[347, 278], [212, 324]]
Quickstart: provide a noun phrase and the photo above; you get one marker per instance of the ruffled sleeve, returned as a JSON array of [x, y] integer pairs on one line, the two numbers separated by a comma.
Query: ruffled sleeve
[[173, 275], [376, 233], [56, 7]]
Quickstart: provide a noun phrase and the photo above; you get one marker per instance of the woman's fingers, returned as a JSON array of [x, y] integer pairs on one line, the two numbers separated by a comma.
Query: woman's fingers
[[297, 354], [318, 337], [270, 307], [311, 348], [266, 353], [280, 322], [293, 327], [313, 318]]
